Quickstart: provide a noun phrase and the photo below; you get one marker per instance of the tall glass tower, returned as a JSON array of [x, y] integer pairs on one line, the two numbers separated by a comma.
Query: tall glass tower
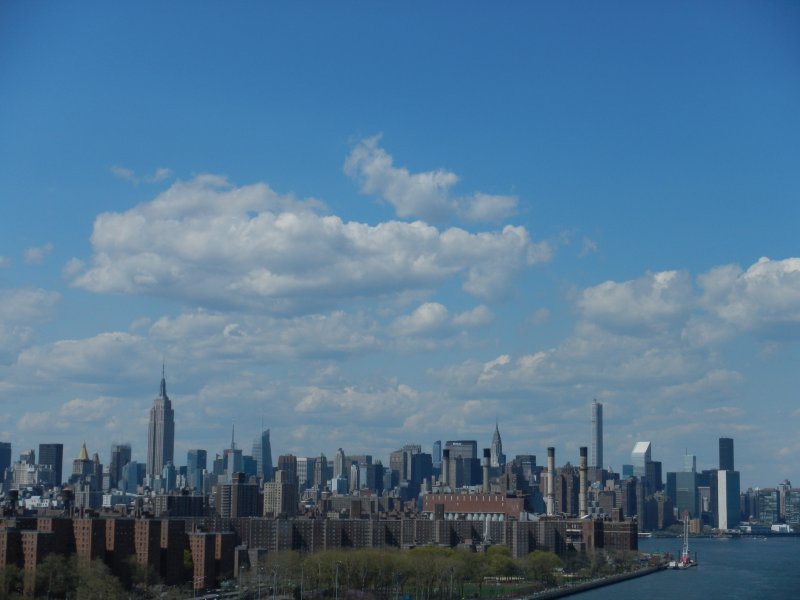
[[597, 434], [161, 432], [262, 452], [726, 454]]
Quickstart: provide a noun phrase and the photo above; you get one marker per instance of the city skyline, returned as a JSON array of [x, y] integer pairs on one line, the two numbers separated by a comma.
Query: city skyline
[[639, 456], [387, 225]]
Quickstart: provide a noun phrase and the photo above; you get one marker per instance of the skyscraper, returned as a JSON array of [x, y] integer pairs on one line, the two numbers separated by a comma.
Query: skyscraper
[[497, 458], [195, 465], [340, 466], [597, 434], [727, 498], [5, 458], [262, 452], [161, 432], [53, 455], [232, 460], [726, 454], [120, 456], [640, 457], [436, 455]]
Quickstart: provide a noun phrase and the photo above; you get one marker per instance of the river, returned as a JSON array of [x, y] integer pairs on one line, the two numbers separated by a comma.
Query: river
[[738, 569]]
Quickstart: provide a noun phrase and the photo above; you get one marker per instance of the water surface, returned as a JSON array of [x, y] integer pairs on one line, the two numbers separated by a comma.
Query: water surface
[[738, 569]]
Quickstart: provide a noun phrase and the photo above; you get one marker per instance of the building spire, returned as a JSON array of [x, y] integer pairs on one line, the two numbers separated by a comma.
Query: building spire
[[233, 444], [163, 392]]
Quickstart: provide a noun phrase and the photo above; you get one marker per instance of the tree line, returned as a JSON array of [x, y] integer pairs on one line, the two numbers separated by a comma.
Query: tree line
[[424, 573]]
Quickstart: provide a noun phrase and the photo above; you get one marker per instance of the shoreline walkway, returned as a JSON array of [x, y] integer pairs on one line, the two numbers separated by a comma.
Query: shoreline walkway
[[563, 591]]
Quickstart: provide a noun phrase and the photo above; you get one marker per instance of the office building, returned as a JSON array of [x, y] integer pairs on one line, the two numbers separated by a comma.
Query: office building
[[196, 463], [161, 432], [321, 475], [497, 459], [689, 463], [462, 462], [232, 460], [640, 457], [237, 498], [726, 454], [280, 496], [120, 456], [686, 493], [728, 511], [262, 452], [436, 456], [341, 467], [288, 464], [5, 458], [304, 471], [597, 435], [52, 455]]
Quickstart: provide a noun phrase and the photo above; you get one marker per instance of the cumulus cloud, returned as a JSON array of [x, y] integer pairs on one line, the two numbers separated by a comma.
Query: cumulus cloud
[[433, 319], [425, 195], [160, 174], [655, 301], [588, 246], [477, 317], [216, 245], [86, 359], [36, 254], [20, 310], [764, 299], [247, 337], [78, 409], [428, 318], [396, 400], [35, 421], [22, 305]]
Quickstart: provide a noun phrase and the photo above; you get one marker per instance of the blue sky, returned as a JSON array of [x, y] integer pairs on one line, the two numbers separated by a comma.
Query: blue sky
[[376, 224]]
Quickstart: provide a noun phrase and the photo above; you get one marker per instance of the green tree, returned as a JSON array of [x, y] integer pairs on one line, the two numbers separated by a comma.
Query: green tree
[[542, 566], [95, 582], [11, 582], [56, 576], [499, 562]]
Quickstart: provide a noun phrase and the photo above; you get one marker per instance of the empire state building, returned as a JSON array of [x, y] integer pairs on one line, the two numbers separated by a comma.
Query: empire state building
[[161, 433]]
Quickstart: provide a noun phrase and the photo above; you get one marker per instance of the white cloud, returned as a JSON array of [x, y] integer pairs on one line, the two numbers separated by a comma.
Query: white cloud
[[160, 174], [20, 309], [4, 262], [538, 317], [426, 319], [368, 404], [656, 301], [433, 319], [764, 299], [246, 337], [588, 247], [86, 359], [26, 305], [35, 421], [36, 254], [477, 317], [215, 245], [427, 194], [87, 410]]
